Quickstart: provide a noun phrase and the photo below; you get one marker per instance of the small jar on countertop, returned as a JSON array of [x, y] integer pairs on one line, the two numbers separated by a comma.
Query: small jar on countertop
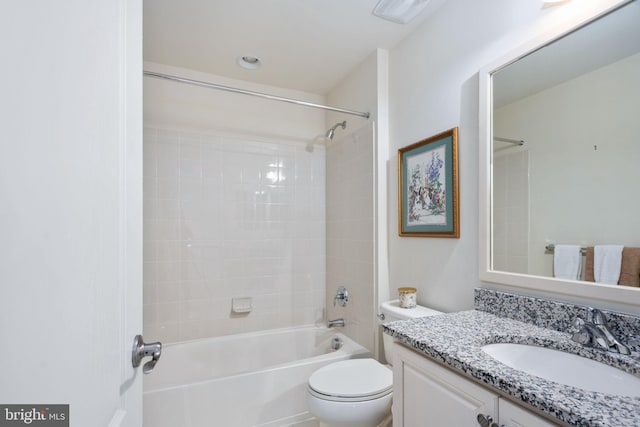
[[407, 297]]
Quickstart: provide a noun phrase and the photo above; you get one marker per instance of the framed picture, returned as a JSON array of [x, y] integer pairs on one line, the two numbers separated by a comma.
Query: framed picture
[[428, 204]]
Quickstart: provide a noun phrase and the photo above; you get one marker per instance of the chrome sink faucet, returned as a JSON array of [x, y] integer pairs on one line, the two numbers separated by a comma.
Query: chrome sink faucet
[[598, 318], [589, 335], [595, 333]]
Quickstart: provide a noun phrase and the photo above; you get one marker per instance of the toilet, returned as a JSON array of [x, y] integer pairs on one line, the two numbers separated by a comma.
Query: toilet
[[358, 392]]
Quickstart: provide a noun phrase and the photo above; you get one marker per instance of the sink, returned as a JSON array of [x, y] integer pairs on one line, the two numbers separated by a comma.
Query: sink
[[565, 368]]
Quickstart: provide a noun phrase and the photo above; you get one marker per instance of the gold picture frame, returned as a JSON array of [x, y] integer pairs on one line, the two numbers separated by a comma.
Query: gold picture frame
[[428, 188]]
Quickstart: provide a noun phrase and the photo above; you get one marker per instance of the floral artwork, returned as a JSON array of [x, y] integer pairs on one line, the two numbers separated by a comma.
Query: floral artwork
[[428, 187], [427, 195]]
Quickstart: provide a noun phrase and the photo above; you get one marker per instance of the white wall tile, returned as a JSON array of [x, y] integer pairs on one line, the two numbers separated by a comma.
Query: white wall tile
[[168, 160], [191, 168], [511, 212], [349, 232], [231, 217]]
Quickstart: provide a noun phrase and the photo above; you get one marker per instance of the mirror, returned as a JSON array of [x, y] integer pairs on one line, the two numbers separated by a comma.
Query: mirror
[[561, 147]]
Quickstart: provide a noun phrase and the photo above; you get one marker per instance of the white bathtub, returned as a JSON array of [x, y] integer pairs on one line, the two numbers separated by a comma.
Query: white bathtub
[[256, 379]]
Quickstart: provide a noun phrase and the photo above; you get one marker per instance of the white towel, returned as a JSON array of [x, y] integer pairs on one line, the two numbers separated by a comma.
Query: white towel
[[607, 260], [567, 262]]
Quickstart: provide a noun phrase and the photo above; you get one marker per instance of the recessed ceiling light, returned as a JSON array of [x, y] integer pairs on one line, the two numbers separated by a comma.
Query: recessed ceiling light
[[400, 11], [249, 62]]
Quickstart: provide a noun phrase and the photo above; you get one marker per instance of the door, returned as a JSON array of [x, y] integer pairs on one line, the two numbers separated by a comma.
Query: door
[[71, 208]]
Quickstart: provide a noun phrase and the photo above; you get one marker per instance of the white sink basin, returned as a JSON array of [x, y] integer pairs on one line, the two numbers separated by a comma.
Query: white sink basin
[[565, 368]]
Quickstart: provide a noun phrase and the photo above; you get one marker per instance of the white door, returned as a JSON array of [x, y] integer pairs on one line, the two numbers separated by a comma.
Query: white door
[[71, 207]]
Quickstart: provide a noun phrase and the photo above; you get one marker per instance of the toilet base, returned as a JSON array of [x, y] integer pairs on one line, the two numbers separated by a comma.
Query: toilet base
[[351, 414], [387, 422]]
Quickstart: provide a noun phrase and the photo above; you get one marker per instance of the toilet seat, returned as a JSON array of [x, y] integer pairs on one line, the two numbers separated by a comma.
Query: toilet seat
[[354, 380]]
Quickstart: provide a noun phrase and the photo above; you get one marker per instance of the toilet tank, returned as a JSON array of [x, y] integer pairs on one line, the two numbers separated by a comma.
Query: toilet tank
[[392, 312]]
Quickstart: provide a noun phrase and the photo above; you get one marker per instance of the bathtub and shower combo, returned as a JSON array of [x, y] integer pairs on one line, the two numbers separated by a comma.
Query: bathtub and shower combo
[[239, 183]]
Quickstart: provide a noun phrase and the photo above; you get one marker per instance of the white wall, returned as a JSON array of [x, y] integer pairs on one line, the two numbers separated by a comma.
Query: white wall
[[234, 207], [584, 162], [434, 87]]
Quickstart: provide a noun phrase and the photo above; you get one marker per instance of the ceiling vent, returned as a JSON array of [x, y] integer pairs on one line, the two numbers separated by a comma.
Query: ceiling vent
[[400, 11]]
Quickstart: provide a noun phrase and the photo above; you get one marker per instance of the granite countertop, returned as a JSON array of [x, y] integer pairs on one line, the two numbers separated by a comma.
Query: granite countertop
[[455, 339]]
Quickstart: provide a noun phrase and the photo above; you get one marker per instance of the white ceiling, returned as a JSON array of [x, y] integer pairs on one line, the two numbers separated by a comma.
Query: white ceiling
[[307, 45]]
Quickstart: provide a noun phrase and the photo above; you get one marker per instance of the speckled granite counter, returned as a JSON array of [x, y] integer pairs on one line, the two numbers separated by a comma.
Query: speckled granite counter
[[456, 339]]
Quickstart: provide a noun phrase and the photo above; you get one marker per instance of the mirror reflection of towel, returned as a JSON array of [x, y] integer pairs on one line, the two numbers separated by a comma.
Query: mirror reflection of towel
[[630, 269], [567, 261], [588, 265], [607, 260]]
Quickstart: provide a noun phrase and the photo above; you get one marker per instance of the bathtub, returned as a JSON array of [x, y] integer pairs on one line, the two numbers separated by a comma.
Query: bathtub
[[255, 379]]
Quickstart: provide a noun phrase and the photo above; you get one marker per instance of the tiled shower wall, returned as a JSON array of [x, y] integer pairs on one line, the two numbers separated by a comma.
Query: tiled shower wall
[[228, 216], [351, 232], [511, 212]]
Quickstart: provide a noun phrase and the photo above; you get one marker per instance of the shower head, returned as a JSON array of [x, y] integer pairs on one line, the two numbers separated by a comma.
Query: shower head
[[326, 138], [331, 132]]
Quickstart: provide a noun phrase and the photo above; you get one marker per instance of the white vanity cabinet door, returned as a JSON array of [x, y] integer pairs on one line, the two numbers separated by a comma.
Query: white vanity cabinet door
[[425, 393], [512, 415], [428, 394]]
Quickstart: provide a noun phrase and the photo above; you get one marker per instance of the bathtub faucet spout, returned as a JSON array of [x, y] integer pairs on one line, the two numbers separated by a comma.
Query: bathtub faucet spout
[[336, 323]]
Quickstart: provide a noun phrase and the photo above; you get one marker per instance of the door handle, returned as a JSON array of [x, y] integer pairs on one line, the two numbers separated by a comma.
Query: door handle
[[142, 350]]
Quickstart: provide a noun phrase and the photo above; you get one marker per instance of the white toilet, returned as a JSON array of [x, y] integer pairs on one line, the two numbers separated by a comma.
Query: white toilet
[[357, 392]]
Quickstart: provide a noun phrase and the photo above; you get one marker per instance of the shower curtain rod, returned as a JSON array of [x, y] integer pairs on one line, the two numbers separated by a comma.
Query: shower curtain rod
[[511, 141], [252, 93]]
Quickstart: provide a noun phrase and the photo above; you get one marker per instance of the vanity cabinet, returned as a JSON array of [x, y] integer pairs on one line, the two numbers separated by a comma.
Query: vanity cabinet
[[426, 393], [512, 415]]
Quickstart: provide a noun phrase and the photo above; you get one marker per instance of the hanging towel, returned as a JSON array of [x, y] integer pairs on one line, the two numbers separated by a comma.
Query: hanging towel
[[567, 262], [630, 269], [588, 265], [607, 260]]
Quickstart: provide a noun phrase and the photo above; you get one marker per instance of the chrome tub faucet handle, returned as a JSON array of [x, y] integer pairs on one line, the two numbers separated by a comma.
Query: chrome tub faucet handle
[[341, 297]]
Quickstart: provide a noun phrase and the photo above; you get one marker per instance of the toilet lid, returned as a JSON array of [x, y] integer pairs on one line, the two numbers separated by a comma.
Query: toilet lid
[[352, 378]]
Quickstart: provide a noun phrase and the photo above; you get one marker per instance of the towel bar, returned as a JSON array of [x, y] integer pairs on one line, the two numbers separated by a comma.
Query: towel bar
[[548, 249]]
